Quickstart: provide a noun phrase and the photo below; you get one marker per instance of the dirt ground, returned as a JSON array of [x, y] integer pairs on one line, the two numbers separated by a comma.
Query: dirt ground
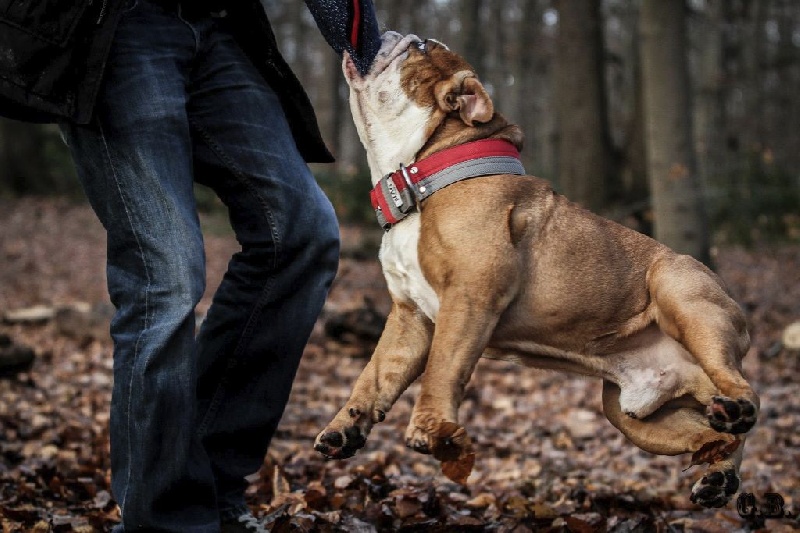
[[547, 459]]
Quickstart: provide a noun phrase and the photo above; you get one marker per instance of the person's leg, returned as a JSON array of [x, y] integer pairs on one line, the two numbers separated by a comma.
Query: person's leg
[[262, 315], [135, 163]]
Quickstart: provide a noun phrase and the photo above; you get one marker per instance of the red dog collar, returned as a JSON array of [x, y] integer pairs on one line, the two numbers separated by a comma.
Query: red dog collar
[[399, 193]]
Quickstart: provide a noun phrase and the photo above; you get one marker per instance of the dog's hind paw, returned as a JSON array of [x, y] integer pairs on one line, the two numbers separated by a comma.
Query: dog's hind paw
[[731, 416], [715, 488]]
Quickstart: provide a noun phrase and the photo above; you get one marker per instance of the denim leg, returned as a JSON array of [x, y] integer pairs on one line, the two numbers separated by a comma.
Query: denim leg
[[262, 315], [135, 163], [191, 418]]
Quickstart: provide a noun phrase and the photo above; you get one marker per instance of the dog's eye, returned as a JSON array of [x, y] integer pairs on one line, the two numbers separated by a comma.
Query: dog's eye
[[422, 46]]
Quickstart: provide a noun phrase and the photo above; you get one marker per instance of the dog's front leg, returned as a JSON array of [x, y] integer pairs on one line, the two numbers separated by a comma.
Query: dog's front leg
[[398, 360], [463, 329]]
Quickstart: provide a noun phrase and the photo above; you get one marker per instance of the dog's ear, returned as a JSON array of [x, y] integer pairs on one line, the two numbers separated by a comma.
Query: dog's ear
[[465, 94]]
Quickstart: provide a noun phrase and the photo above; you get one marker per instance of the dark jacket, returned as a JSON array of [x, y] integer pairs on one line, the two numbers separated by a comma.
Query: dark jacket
[[53, 53]]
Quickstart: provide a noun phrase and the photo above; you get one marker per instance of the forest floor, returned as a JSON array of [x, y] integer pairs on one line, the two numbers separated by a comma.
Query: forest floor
[[547, 459]]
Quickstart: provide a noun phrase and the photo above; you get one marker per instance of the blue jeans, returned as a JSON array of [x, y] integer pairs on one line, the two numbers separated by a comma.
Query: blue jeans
[[191, 416]]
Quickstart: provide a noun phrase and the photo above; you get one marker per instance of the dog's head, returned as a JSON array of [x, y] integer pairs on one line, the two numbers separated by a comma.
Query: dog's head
[[418, 98]]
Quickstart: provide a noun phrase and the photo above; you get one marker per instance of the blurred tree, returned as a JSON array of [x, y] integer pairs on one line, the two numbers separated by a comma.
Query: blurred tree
[[567, 71], [626, 95], [473, 35], [34, 160], [709, 107], [584, 145], [679, 220]]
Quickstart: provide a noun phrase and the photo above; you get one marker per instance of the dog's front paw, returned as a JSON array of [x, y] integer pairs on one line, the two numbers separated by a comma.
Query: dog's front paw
[[347, 433], [731, 416], [417, 439], [715, 488], [335, 444], [447, 441], [422, 431], [434, 435]]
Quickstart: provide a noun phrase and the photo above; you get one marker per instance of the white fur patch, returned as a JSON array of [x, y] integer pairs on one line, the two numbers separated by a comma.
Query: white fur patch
[[649, 376], [392, 128], [400, 262]]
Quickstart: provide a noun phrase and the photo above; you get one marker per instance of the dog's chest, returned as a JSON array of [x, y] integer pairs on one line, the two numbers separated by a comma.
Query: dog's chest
[[400, 261]]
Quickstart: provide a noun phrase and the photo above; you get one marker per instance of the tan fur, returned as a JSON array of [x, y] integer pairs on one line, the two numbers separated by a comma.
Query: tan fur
[[523, 274]]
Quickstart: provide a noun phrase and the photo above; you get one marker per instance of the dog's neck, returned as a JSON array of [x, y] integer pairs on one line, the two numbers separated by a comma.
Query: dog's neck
[[388, 147], [383, 162], [386, 150]]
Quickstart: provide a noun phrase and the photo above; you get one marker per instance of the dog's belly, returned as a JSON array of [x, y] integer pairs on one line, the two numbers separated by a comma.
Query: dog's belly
[[649, 369], [400, 262]]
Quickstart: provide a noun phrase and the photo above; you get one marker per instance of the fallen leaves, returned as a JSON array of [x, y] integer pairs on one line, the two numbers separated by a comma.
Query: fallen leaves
[[545, 457]]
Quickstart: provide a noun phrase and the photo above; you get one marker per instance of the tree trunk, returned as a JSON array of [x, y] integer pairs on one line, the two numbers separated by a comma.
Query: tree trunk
[[634, 189], [677, 201], [473, 34], [584, 151], [532, 88], [709, 115]]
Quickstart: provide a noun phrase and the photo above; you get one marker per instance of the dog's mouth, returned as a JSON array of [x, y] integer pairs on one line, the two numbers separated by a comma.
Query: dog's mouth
[[393, 46]]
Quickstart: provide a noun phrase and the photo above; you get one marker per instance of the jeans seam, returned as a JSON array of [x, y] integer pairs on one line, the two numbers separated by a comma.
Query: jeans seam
[[194, 32], [130, 7], [241, 176], [146, 323], [219, 393]]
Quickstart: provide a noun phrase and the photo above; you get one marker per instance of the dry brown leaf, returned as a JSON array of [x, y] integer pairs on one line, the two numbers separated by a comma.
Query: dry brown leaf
[[460, 469], [715, 451], [586, 523], [405, 507], [280, 485], [484, 499]]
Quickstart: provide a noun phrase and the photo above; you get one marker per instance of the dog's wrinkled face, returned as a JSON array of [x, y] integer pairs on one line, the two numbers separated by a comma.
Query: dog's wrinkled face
[[412, 87]]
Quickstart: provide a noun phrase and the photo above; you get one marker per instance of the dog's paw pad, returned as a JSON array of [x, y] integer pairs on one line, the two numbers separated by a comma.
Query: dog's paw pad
[[337, 445], [334, 439], [715, 488], [731, 416]]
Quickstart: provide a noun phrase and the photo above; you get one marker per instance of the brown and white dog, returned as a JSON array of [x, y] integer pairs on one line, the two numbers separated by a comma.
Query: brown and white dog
[[500, 266]]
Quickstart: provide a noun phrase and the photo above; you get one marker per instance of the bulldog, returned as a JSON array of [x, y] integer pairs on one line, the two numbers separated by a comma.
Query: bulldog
[[482, 260]]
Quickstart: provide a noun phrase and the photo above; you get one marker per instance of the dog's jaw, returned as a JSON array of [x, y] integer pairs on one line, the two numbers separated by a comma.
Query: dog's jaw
[[391, 126]]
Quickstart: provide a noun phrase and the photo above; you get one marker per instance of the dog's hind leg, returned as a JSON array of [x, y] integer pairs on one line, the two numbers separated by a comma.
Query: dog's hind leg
[[398, 360], [692, 307], [673, 429], [721, 480], [676, 429]]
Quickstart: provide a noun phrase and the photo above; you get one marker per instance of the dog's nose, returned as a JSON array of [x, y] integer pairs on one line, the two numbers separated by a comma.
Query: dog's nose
[[391, 39], [388, 41]]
